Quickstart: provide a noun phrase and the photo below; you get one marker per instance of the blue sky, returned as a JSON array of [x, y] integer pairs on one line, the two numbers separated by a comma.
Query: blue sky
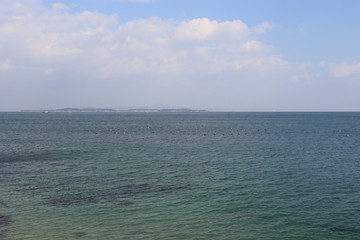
[[254, 55]]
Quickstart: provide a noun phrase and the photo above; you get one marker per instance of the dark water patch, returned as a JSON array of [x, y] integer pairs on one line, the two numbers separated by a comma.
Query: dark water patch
[[3, 203], [31, 157], [32, 187], [4, 220], [343, 228], [50, 156], [144, 188], [8, 172], [2, 236], [79, 234], [125, 203], [73, 199], [108, 196], [84, 198]]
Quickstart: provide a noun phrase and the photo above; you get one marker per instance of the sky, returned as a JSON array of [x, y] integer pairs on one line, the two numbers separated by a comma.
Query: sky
[[219, 55]]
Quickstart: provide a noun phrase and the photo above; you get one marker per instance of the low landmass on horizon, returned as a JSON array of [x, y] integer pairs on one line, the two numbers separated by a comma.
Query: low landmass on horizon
[[69, 110]]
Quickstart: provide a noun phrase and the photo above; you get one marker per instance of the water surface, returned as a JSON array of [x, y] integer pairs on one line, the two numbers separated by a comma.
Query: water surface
[[179, 176]]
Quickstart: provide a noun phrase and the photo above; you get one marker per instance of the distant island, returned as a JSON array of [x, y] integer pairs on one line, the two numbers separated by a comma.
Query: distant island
[[94, 110]]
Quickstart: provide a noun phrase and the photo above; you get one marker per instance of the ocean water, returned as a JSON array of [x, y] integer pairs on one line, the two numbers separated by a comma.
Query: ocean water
[[179, 176]]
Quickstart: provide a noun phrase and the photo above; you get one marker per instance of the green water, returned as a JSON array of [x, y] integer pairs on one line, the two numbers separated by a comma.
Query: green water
[[180, 176]]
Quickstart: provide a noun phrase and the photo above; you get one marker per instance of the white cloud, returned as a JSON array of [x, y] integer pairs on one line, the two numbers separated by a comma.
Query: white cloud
[[307, 78], [343, 70], [19, 7], [197, 29], [255, 46], [204, 29], [6, 65], [60, 7], [102, 44], [262, 28]]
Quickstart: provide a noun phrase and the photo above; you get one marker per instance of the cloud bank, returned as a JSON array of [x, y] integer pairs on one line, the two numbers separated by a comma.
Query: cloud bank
[[54, 58], [110, 47]]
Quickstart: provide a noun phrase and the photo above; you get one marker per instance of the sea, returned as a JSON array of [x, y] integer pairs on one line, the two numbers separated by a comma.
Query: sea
[[180, 176]]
